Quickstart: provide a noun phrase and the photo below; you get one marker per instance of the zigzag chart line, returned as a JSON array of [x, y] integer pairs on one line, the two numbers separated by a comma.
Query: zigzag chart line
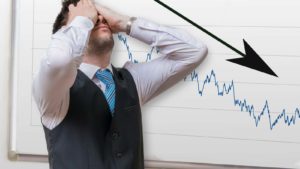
[[226, 89]]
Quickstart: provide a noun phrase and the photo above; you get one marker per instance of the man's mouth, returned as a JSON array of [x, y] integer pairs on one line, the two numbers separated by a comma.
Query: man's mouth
[[102, 26]]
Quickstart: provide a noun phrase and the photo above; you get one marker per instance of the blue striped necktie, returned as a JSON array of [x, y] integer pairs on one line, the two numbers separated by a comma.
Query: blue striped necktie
[[105, 76]]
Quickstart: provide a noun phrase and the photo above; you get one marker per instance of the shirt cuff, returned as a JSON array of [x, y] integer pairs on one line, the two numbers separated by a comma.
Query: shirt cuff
[[82, 22]]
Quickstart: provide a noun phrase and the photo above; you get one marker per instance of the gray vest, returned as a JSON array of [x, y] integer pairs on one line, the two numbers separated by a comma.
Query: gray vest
[[89, 137]]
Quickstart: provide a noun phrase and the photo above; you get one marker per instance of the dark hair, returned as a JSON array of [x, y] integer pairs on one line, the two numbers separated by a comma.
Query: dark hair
[[62, 17]]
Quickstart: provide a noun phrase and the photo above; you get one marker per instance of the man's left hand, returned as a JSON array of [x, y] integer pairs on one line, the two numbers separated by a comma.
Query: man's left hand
[[116, 21]]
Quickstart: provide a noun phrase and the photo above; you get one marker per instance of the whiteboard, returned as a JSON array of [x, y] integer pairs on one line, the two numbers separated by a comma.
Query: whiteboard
[[182, 126]]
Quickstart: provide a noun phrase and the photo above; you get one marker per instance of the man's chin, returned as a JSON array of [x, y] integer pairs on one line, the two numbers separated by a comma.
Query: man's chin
[[102, 36], [103, 42]]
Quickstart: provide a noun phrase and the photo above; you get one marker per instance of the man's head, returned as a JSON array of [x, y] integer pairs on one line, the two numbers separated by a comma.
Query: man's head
[[101, 39]]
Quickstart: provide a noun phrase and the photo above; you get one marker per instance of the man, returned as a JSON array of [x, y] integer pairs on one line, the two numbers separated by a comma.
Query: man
[[90, 110]]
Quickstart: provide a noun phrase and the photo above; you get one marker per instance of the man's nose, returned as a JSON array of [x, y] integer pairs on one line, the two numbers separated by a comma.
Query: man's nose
[[101, 19]]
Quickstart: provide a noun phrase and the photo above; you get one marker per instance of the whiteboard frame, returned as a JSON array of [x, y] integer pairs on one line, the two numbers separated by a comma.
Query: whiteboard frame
[[13, 153]]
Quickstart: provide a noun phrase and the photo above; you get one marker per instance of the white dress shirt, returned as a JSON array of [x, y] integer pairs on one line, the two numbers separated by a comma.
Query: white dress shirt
[[181, 53]]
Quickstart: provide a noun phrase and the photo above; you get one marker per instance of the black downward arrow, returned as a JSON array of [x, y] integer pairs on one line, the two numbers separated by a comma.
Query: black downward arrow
[[251, 59]]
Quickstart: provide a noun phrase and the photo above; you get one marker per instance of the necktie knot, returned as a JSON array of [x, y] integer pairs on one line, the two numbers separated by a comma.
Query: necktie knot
[[105, 76]]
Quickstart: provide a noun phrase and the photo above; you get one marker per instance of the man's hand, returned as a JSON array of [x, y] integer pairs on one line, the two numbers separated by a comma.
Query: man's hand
[[83, 8], [116, 22]]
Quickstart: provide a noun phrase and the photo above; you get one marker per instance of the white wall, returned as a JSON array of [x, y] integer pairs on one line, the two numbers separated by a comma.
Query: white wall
[[5, 60]]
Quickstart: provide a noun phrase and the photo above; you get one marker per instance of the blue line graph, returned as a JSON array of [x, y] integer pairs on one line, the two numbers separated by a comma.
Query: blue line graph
[[226, 89], [123, 39]]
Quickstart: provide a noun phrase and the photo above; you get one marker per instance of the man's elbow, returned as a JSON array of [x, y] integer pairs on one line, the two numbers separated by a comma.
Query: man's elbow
[[200, 54]]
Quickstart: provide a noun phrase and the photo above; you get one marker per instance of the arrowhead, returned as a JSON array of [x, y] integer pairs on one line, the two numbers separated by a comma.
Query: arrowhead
[[253, 61]]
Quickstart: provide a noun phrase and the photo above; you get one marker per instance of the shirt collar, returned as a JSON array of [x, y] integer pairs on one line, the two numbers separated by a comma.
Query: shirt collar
[[90, 70]]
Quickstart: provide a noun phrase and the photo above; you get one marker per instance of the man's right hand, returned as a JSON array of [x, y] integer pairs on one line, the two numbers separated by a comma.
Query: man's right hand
[[83, 8]]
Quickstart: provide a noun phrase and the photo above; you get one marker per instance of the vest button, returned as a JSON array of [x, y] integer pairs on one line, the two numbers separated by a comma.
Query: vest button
[[115, 134], [119, 155]]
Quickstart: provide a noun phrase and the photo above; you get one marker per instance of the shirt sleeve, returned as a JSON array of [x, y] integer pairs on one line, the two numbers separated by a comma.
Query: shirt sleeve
[[180, 54], [58, 70]]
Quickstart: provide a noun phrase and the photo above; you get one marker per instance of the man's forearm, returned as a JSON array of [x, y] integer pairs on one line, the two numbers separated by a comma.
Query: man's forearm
[[170, 41], [180, 54]]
